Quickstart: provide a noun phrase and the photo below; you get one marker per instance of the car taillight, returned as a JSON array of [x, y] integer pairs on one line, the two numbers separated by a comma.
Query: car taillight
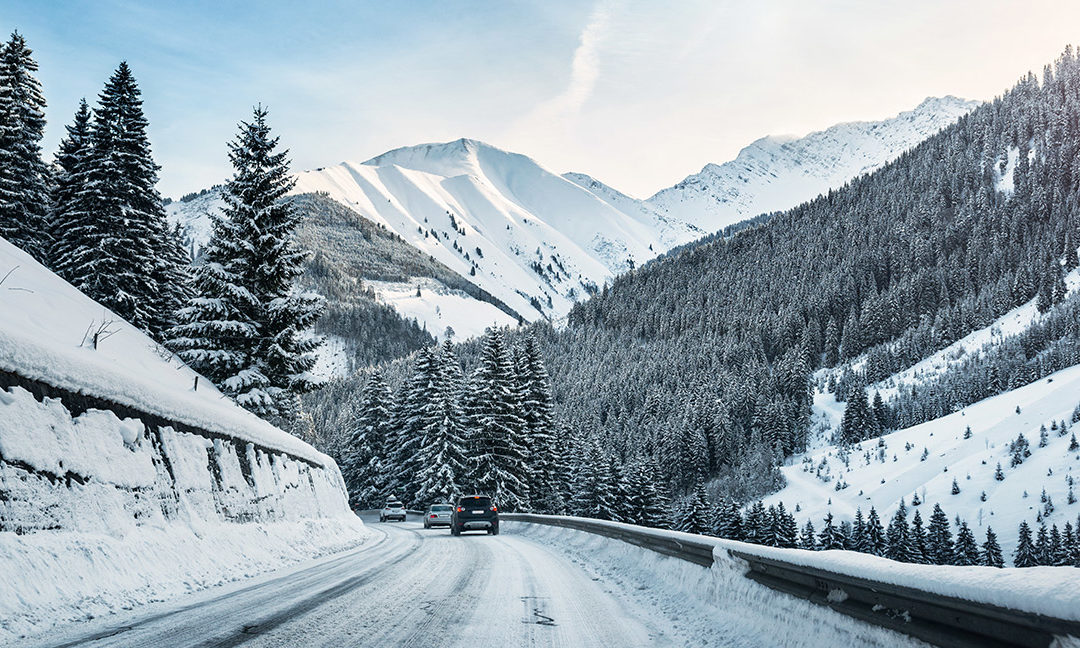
[[433, 515], [459, 509], [495, 509]]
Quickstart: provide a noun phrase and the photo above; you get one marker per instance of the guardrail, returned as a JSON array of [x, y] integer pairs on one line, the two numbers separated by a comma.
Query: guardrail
[[939, 620]]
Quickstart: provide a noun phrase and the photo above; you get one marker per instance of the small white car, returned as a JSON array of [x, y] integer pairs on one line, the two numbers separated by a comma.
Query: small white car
[[392, 511]]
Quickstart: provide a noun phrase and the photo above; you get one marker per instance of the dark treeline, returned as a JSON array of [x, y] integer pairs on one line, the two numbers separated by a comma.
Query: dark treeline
[[929, 543], [711, 348]]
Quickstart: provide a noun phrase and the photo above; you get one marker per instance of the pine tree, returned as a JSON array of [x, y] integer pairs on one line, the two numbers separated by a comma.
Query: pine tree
[[918, 539], [418, 414], [939, 543], [858, 541], [440, 458], [787, 531], [729, 522], [875, 534], [115, 245], [830, 537], [66, 228], [898, 543], [496, 430], [754, 523], [966, 551], [1025, 556], [1043, 553], [247, 327], [696, 514], [24, 176], [364, 455], [536, 408], [808, 537], [991, 551]]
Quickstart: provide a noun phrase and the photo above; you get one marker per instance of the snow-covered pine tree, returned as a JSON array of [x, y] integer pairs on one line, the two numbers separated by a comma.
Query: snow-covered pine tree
[[859, 422], [729, 523], [441, 460], [858, 532], [696, 515], [67, 224], [754, 523], [787, 535], [830, 537], [24, 176], [991, 550], [364, 456], [966, 551], [118, 247], [939, 543], [808, 537], [897, 540], [417, 415], [1043, 554], [536, 410], [918, 539], [247, 327], [875, 534], [1024, 555], [496, 429]]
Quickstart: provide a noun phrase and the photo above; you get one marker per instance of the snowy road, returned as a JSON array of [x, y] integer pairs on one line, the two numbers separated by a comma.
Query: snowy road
[[406, 587]]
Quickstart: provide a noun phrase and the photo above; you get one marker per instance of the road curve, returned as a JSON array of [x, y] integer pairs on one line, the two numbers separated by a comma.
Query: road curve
[[406, 587]]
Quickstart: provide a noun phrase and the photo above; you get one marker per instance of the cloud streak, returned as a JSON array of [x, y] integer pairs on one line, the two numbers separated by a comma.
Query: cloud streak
[[584, 68]]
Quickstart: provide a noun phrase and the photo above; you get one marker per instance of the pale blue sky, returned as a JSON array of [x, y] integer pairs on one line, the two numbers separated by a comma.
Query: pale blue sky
[[637, 94]]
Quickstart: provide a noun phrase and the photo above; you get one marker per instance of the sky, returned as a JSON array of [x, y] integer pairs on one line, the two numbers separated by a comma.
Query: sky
[[637, 94]]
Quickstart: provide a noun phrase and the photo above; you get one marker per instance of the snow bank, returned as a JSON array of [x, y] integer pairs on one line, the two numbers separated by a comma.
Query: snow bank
[[131, 485], [99, 513], [717, 605]]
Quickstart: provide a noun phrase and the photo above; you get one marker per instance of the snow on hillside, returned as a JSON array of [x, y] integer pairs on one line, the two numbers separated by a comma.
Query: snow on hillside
[[438, 307], [530, 237], [776, 173], [811, 484], [46, 333], [881, 476]]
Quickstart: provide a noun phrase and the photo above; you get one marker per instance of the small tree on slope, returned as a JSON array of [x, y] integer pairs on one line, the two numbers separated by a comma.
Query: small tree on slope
[[1024, 556], [247, 328], [991, 552]]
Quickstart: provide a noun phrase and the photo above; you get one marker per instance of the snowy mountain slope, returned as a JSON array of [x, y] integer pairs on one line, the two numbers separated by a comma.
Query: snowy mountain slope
[[776, 173], [532, 238], [995, 422]]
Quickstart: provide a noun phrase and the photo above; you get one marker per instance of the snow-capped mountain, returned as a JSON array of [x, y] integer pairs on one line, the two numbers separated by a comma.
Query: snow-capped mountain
[[535, 240], [776, 173]]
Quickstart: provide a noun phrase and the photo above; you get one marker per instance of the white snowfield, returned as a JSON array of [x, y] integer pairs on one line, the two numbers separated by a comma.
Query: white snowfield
[[776, 173], [528, 586], [99, 513], [46, 334]]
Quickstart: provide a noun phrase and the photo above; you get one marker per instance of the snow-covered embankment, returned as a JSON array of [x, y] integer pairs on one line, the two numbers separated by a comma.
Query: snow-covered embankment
[[123, 483]]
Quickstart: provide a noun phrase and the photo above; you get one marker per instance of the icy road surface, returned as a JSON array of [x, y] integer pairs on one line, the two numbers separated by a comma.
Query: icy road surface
[[528, 586], [410, 587]]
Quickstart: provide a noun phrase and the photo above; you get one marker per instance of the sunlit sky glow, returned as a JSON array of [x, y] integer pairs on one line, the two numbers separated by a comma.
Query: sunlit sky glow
[[637, 94]]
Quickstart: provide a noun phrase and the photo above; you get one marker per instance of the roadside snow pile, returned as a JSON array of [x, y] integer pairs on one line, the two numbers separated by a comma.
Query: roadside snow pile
[[129, 486], [718, 605]]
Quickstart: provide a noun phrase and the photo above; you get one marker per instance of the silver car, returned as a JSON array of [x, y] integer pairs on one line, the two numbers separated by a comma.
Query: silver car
[[437, 515], [392, 511]]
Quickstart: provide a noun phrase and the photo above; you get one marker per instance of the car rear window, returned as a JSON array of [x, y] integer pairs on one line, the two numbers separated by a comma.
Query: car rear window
[[441, 508], [393, 505], [474, 502]]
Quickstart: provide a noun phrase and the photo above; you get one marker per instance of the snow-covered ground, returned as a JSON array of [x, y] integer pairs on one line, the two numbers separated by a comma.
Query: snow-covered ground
[[776, 173], [882, 476], [437, 307], [100, 511]]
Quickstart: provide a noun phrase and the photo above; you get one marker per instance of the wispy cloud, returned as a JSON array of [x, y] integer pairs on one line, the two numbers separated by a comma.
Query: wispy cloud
[[584, 68]]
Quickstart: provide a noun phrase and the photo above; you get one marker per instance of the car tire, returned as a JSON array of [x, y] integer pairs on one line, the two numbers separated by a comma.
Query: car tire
[[495, 531]]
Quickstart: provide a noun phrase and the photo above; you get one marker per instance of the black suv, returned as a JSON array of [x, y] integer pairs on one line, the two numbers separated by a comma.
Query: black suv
[[474, 512]]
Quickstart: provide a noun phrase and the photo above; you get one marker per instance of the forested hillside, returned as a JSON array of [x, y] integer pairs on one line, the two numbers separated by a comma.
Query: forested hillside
[[702, 359]]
